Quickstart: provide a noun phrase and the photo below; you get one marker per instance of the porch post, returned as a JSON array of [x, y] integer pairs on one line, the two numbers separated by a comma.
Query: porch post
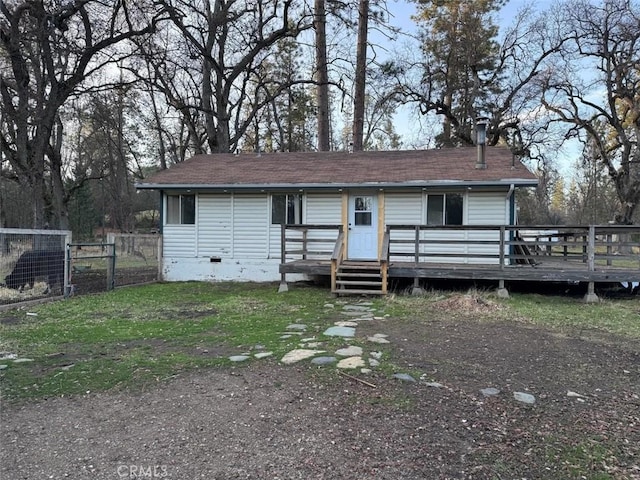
[[591, 296], [502, 292], [416, 290], [283, 253]]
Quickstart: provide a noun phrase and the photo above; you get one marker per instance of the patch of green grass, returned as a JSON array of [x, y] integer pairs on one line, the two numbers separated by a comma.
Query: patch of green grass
[[620, 317], [586, 459], [564, 313], [140, 335]]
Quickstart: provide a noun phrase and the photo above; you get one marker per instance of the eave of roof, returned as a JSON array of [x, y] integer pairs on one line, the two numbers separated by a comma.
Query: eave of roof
[[520, 182]]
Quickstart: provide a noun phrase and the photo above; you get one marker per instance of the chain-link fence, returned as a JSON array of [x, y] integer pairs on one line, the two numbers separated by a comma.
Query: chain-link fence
[[32, 264]]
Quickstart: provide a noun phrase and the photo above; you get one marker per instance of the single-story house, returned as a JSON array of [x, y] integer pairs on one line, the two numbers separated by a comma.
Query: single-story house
[[222, 213]]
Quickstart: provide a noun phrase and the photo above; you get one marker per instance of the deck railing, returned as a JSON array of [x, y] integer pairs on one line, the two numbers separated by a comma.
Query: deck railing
[[586, 247], [302, 242], [506, 245]]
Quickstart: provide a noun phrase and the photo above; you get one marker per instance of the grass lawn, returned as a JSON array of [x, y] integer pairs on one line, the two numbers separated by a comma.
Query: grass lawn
[[135, 336]]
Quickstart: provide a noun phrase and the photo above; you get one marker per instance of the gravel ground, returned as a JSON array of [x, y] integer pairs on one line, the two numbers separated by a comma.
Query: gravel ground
[[264, 420]]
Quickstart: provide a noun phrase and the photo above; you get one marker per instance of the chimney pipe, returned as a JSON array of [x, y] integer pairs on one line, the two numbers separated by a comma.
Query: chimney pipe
[[481, 142]]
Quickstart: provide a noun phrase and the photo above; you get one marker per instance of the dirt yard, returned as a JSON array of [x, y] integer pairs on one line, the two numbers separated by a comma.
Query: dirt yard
[[264, 420]]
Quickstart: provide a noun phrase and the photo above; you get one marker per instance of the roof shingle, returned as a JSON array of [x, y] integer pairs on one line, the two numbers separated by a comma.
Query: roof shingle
[[412, 167]]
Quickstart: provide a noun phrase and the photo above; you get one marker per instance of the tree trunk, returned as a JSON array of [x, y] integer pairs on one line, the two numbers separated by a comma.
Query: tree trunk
[[162, 149], [361, 74], [322, 76], [60, 212]]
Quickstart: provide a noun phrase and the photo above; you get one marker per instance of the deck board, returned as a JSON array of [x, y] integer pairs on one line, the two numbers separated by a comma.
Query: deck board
[[549, 271]]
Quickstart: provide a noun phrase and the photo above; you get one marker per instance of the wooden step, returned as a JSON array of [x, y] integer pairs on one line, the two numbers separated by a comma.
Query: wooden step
[[354, 291], [358, 278], [359, 282], [358, 275], [361, 264]]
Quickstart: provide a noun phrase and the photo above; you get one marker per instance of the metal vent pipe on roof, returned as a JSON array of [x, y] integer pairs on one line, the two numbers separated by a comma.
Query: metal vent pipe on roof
[[481, 142]]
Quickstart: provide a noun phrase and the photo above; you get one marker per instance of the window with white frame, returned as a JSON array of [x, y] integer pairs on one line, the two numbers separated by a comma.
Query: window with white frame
[[444, 209], [181, 209], [286, 209]]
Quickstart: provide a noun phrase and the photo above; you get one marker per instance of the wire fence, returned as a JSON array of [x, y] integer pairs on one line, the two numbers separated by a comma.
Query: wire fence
[[137, 257], [37, 264], [32, 264], [90, 267]]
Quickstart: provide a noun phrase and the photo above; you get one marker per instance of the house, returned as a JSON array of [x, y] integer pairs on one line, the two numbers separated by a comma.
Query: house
[[223, 214]]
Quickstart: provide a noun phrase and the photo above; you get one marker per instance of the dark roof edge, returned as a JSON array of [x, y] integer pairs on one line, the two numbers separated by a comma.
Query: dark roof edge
[[520, 182]]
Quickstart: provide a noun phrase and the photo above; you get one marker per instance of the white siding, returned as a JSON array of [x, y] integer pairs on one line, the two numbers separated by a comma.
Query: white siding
[[179, 241], [324, 208], [486, 209], [318, 209], [250, 225], [479, 209], [403, 209], [214, 225], [443, 244], [275, 232]]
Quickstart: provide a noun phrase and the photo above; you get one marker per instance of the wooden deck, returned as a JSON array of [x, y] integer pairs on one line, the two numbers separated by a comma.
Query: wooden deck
[[543, 272], [590, 254]]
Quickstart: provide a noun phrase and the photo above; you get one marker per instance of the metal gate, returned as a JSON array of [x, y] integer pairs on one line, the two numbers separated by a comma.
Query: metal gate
[[90, 268]]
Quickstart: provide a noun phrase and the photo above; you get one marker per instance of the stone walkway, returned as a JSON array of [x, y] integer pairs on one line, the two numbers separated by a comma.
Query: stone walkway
[[311, 348], [354, 357]]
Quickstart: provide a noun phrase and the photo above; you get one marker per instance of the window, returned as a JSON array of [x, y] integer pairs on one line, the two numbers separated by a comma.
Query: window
[[444, 209], [286, 209], [181, 209], [363, 211]]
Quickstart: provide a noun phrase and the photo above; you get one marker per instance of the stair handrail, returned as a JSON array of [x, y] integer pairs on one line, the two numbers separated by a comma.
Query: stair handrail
[[384, 258], [336, 258]]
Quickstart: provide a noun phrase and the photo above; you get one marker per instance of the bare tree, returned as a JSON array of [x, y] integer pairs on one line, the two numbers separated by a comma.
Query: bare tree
[[361, 75], [222, 45], [592, 197], [595, 89], [48, 53]]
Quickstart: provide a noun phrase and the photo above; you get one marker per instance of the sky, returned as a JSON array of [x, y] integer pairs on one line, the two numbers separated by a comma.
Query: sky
[[406, 120]]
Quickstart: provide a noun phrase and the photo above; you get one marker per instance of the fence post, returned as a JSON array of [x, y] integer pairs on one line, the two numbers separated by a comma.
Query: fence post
[[160, 257], [67, 271], [111, 267], [66, 289]]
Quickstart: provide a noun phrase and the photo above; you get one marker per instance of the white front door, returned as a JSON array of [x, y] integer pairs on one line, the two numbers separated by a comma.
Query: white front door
[[363, 227]]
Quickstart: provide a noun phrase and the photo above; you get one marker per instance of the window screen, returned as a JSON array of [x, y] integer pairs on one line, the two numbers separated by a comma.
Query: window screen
[[445, 209], [286, 209], [181, 209]]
